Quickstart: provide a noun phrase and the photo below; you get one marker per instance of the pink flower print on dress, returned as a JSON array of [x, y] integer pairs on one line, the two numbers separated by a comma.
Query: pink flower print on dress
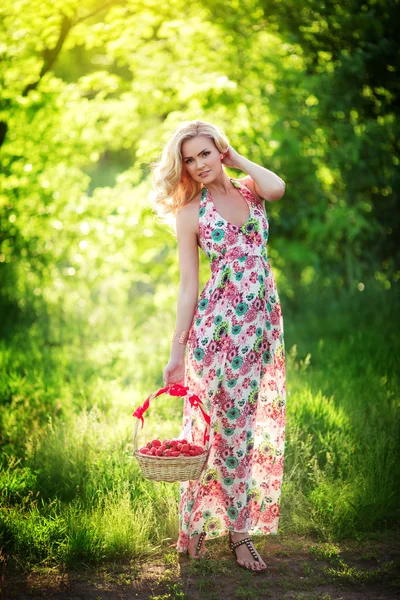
[[216, 295], [239, 524], [277, 468], [230, 238], [274, 317], [239, 392], [245, 368], [237, 266], [225, 343], [206, 231], [242, 337], [236, 443], [266, 517], [237, 298], [230, 290], [275, 509], [251, 315], [208, 359], [201, 331], [241, 421], [253, 277], [246, 286], [240, 472], [236, 490], [235, 253], [250, 262], [251, 330], [210, 309]]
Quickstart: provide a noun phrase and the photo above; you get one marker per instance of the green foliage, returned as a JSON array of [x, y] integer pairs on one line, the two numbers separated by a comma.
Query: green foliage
[[343, 416], [90, 91]]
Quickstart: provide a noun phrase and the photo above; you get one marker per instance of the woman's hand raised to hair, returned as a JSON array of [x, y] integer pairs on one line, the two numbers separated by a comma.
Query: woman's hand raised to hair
[[231, 158], [174, 372]]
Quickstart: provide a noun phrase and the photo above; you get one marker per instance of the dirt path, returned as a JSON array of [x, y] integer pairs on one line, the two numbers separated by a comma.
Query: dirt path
[[299, 569]]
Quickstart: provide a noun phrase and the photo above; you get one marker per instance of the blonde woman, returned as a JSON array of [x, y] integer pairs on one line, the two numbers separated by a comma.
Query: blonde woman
[[228, 345]]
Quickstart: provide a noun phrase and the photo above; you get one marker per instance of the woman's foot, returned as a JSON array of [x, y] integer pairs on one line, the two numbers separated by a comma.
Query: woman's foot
[[194, 552], [244, 556]]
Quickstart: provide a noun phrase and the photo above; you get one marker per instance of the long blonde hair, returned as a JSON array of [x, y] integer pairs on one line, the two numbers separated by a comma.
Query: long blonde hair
[[174, 187]]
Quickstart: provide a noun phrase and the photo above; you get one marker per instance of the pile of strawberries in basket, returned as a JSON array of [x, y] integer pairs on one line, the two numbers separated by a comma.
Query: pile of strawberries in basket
[[171, 448]]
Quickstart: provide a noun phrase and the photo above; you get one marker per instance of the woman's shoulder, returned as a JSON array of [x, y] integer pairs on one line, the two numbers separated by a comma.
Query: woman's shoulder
[[190, 207], [189, 213]]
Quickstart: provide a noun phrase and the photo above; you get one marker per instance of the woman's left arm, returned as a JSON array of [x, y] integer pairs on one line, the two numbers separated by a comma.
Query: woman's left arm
[[267, 184]]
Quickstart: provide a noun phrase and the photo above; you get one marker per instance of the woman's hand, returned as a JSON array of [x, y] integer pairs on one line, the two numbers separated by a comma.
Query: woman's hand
[[174, 372], [232, 158]]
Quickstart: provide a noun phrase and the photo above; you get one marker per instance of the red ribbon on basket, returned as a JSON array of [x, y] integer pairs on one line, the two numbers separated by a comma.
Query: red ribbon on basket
[[175, 390]]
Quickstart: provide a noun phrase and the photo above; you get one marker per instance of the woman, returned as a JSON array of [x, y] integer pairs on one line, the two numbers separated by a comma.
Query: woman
[[235, 358]]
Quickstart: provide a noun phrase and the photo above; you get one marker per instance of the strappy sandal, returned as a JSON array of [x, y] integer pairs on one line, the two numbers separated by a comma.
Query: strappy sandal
[[249, 543], [196, 555]]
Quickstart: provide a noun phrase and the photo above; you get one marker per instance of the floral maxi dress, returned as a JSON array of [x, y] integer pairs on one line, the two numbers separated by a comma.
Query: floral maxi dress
[[235, 364]]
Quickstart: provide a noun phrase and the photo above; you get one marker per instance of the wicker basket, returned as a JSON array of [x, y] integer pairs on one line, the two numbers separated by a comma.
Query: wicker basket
[[170, 468]]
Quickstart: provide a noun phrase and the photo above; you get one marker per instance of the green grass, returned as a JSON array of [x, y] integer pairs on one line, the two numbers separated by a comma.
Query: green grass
[[71, 493]]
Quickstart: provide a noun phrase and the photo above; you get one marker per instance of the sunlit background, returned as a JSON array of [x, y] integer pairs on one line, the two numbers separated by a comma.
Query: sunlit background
[[89, 91]]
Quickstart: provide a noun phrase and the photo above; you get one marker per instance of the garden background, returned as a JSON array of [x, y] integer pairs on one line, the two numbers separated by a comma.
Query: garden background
[[89, 92]]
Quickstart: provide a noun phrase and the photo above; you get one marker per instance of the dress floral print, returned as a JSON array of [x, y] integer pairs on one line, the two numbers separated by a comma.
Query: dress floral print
[[235, 363]]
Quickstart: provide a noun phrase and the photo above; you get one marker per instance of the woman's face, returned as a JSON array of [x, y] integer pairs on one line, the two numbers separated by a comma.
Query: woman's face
[[201, 158]]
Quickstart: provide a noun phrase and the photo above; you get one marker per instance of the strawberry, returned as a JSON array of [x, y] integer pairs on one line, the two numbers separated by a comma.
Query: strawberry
[[148, 445], [156, 443], [159, 452], [183, 441], [175, 453], [168, 452], [163, 447], [178, 446], [144, 450], [185, 448]]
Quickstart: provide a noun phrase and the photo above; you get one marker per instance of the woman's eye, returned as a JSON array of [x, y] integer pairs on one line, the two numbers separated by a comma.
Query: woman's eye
[[206, 153]]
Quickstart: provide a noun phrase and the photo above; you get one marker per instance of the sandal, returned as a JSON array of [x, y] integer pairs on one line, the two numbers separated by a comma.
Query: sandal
[[249, 543], [196, 555]]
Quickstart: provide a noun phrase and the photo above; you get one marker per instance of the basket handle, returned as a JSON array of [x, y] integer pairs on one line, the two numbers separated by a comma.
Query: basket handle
[[174, 389]]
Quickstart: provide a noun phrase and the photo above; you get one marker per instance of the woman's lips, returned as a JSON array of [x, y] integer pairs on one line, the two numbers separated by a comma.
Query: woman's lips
[[205, 173]]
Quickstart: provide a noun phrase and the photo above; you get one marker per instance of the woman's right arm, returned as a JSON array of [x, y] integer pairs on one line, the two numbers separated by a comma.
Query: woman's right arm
[[186, 231]]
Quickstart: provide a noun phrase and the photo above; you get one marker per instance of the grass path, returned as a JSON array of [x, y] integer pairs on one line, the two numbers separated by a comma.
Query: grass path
[[300, 568]]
